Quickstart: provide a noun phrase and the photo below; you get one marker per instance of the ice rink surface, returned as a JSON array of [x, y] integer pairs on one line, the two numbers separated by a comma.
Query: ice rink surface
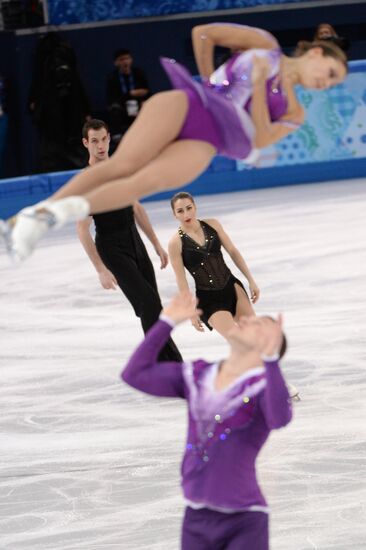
[[89, 464]]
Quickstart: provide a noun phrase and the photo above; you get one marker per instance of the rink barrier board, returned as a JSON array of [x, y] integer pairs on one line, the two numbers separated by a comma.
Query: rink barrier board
[[221, 177], [68, 12]]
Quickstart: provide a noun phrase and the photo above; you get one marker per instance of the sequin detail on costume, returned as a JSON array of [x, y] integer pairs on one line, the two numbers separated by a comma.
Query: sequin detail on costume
[[205, 263], [215, 414]]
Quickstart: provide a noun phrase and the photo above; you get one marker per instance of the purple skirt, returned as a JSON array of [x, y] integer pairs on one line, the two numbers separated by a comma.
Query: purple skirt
[[199, 123], [211, 117]]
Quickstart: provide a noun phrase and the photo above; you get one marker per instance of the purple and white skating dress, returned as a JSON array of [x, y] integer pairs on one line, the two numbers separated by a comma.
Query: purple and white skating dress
[[219, 110]]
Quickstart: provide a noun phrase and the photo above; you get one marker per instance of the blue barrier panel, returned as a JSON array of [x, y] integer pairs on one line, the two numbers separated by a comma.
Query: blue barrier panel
[[63, 12], [211, 182], [331, 145]]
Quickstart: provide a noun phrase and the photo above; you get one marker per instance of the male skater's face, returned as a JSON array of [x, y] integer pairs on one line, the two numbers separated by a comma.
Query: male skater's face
[[97, 144], [250, 333]]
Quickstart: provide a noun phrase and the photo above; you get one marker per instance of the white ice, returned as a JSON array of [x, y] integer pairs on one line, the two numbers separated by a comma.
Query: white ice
[[89, 464]]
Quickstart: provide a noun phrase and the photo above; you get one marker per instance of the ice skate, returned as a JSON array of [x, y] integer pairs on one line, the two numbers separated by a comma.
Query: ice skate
[[294, 392], [35, 221], [5, 235]]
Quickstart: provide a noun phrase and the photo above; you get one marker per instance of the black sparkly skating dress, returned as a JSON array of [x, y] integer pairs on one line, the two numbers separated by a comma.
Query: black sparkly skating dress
[[215, 284]]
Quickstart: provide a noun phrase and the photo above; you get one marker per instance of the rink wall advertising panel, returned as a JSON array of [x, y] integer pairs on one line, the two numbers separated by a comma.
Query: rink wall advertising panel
[[334, 129], [63, 12], [331, 145]]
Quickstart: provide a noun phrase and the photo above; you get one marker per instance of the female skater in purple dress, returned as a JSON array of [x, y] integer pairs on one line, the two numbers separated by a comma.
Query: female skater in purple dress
[[248, 103], [232, 407]]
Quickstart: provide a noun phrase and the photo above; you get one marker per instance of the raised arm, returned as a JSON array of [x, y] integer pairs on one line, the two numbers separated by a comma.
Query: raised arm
[[275, 400], [235, 37], [106, 277], [143, 221], [236, 257], [143, 371]]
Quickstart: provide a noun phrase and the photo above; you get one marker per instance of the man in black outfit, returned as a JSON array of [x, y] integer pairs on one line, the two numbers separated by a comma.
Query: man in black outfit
[[119, 254], [127, 88]]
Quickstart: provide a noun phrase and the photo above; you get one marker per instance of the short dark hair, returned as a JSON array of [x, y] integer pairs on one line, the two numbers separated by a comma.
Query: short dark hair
[[180, 195], [93, 124], [283, 346], [119, 52]]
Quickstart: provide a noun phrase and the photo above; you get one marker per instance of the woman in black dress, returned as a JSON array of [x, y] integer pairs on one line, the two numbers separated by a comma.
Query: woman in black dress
[[197, 247]]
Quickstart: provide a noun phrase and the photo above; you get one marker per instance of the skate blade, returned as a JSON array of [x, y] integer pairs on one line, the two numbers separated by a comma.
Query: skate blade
[[5, 235]]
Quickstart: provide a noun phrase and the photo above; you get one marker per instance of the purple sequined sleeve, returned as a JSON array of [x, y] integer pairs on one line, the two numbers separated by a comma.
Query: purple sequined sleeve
[[275, 400], [143, 372]]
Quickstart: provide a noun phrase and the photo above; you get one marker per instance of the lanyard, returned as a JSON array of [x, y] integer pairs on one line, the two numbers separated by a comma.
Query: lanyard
[[130, 83]]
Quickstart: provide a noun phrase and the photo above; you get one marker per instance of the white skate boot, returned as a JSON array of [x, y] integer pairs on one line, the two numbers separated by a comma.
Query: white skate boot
[[5, 234], [33, 222], [293, 392]]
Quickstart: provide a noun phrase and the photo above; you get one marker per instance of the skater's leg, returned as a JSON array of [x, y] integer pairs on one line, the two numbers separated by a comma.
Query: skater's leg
[[243, 304], [135, 275], [248, 530], [222, 321], [178, 164], [157, 125]]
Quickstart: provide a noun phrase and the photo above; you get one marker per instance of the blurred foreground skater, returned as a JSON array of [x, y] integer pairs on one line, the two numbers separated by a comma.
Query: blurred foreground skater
[[233, 405]]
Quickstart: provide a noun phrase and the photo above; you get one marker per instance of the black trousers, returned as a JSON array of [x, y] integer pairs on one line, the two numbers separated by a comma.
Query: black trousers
[[125, 255]]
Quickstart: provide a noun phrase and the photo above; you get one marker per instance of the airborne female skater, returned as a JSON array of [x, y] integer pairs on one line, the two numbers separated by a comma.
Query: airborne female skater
[[246, 104]]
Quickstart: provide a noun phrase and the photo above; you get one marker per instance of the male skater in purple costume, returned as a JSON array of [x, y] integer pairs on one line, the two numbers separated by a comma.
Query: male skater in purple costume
[[232, 407]]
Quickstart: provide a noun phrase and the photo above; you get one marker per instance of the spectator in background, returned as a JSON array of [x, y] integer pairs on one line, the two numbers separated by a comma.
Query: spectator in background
[[59, 105], [127, 88], [326, 32]]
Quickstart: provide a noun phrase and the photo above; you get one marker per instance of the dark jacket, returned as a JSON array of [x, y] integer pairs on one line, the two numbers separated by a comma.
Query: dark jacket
[[115, 93]]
